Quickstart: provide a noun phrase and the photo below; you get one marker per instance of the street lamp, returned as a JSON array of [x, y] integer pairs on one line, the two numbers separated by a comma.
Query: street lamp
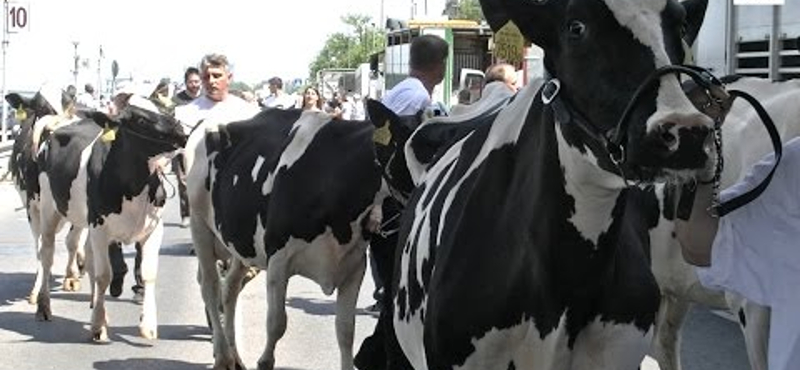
[[76, 59]]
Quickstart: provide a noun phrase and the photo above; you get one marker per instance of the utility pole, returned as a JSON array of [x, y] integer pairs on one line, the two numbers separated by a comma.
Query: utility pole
[[100, 88], [76, 60], [3, 120]]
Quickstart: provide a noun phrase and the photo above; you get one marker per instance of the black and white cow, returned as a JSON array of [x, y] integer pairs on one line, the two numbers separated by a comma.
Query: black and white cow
[[106, 174], [517, 249], [47, 110], [291, 193]]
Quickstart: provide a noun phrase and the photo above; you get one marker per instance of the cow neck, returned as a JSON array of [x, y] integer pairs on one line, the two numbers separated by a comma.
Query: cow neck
[[128, 167], [595, 191]]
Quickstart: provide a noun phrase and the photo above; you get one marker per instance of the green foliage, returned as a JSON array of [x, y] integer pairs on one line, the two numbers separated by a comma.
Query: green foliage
[[470, 9], [351, 48], [239, 85], [464, 9]]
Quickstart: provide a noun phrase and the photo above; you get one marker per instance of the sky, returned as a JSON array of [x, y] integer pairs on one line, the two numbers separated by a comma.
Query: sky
[[151, 39]]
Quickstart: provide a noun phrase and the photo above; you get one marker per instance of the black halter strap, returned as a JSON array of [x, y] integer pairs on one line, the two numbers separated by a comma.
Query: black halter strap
[[613, 140], [735, 203]]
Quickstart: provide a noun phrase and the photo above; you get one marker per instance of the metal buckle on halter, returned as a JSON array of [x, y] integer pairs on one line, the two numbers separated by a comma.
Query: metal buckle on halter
[[550, 90]]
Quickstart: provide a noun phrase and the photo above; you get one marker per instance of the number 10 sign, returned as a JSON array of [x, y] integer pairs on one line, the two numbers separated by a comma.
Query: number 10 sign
[[18, 17]]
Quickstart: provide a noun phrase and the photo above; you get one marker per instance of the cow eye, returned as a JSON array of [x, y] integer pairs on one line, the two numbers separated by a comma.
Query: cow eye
[[576, 29]]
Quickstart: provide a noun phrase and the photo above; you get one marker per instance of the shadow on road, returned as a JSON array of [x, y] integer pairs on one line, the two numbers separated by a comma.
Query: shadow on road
[[147, 364], [313, 306], [318, 307], [16, 287], [68, 331]]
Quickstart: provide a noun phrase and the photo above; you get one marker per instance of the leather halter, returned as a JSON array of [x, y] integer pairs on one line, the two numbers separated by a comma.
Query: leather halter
[[613, 140]]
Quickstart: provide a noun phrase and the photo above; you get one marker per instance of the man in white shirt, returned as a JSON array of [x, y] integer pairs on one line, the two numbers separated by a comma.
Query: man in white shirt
[[216, 104], [277, 97], [427, 64], [755, 251]]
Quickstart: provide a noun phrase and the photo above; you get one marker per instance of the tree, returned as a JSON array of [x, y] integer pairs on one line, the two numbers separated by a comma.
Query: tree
[[241, 86], [351, 48], [464, 9]]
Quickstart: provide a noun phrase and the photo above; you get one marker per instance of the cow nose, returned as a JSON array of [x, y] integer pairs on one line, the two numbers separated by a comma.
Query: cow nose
[[682, 129]]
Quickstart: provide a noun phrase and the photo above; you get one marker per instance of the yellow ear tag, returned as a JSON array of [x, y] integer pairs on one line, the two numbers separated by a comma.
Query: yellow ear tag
[[382, 135], [109, 134], [20, 115]]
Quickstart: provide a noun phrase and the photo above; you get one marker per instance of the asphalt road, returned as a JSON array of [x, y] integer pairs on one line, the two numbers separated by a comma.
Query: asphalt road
[[710, 342]]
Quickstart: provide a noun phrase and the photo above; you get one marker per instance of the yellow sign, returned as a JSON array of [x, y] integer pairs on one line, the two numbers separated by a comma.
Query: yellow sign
[[509, 44]]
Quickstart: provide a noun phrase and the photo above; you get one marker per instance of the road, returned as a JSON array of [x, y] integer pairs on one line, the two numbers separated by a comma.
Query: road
[[710, 342]]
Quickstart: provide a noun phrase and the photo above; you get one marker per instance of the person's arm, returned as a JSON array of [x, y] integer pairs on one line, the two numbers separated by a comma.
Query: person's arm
[[696, 235]]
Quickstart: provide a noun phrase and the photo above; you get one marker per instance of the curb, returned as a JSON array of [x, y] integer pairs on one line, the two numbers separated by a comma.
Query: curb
[[4, 147]]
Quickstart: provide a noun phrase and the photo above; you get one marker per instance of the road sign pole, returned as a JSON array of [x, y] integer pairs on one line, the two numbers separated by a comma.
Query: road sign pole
[[5, 47]]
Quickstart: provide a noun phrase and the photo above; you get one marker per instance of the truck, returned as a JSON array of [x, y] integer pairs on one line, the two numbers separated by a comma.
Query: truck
[[750, 40]]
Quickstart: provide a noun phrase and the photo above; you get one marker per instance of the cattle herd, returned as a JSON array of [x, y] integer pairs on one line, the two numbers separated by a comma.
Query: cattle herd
[[553, 204]]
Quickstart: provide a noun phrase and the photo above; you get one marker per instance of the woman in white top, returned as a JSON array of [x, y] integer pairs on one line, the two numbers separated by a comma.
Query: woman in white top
[[311, 100]]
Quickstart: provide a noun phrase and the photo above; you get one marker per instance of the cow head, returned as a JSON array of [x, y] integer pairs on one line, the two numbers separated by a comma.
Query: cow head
[[601, 52], [142, 122], [391, 133]]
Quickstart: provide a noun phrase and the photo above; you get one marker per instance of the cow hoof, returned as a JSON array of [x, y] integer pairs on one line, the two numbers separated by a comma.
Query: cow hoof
[[43, 312], [71, 285], [266, 364], [100, 336], [231, 365], [148, 333]]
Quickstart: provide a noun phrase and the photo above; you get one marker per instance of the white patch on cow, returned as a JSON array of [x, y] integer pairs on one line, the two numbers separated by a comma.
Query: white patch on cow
[[141, 102], [643, 19], [323, 260], [305, 129], [610, 345], [594, 190], [235, 179], [77, 206], [256, 168], [52, 95], [137, 219]]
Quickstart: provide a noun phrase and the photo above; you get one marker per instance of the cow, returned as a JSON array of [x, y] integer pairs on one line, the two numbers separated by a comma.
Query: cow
[[290, 193], [528, 216], [105, 174], [745, 143], [39, 115]]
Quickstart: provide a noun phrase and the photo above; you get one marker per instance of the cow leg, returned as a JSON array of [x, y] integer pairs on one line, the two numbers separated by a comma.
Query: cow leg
[[102, 278], [148, 326], [75, 239], [50, 222], [667, 337], [277, 282], [34, 217], [346, 299], [755, 321], [208, 279], [232, 286]]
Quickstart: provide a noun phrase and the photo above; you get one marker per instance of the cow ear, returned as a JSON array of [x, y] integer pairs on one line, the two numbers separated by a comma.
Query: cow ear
[[695, 13], [379, 114], [15, 100], [103, 120], [537, 20]]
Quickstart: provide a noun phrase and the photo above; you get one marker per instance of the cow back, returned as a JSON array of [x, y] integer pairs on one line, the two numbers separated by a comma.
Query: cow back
[[274, 175], [61, 159]]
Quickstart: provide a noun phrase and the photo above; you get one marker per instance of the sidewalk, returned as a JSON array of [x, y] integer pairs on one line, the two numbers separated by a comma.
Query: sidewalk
[[5, 153]]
